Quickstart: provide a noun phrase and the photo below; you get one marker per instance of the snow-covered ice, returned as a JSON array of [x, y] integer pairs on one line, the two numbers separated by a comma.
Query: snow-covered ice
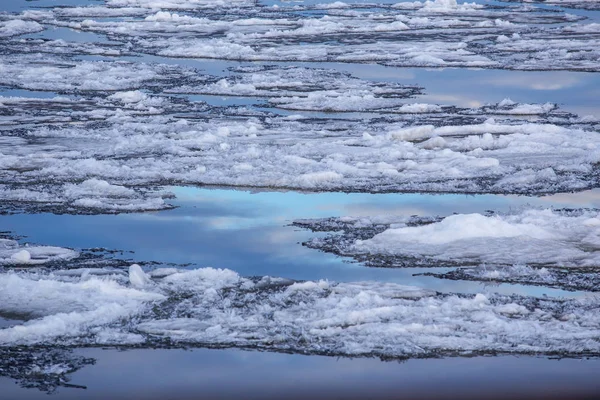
[[14, 27], [582, 279], [533, 237], [214, 307], [581, 4], [37, 72], [422, 34], [13, 254], [127, 145], [111, 143], [211, 307]]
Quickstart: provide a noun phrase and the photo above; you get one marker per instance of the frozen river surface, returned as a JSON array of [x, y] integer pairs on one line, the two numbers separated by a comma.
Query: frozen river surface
[[323, 200]]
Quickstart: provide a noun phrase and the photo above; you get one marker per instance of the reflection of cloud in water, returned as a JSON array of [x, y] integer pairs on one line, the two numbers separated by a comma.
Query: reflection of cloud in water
[[428, 204], [589, 198], [232, 223], [364, 210], [455, 100], [237, 209], [286, 238], [371, 71], [540, 80]]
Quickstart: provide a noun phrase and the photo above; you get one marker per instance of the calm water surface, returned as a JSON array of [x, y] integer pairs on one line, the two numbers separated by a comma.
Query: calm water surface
[[238, 374]]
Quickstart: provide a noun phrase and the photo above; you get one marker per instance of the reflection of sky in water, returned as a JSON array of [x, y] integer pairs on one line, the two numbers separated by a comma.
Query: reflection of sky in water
[[250, 233], [27, 93], [285, 206], [6, 321], [68, 35], [573, 91], [228, 374]]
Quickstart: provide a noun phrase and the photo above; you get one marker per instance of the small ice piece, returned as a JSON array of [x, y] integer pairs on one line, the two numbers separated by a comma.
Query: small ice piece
[[137, 277], [131, 96], [55, 369], [33, 255], [21, 257]]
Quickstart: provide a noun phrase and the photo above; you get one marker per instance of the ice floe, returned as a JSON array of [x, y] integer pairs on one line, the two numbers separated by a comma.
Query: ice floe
[[495, 242], [522, 54], [424, 34], [178, 4], [113, 152], [585, 279], [45, 369], [311, 89], [581, 4], [38, 72], [213, 307]]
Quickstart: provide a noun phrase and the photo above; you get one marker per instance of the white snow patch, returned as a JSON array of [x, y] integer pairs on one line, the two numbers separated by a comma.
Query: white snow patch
[[529, 237], [12, 254], [16, 27]]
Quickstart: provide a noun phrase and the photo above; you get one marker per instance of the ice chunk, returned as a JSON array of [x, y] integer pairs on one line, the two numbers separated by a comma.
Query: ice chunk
[[65, 309], [21, 257], [465, 226], [97, 187], [316, 179], [137, 277], [18, 27], [34, 73], [134, 96], [14, 254]]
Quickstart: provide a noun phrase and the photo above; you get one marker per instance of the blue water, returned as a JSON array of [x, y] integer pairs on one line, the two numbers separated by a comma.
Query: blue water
[[250, 233], [238, 374]]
